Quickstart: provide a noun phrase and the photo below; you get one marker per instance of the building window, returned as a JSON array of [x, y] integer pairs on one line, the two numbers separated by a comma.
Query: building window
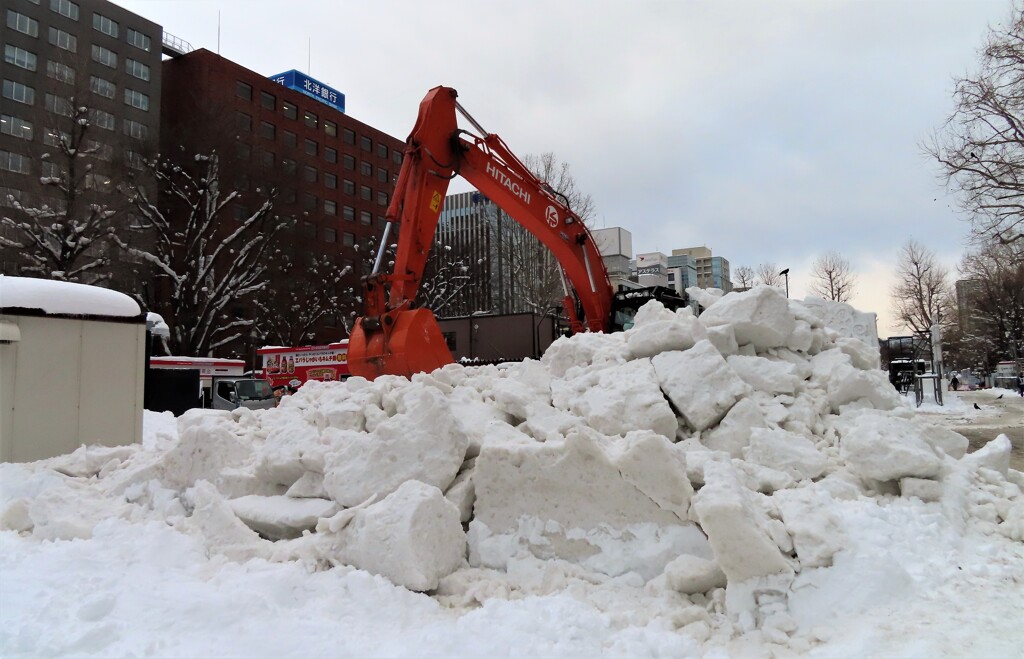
[[365, 143], [382, 175], [330, 234], [267, 130], [348, 187], [242, 182], [102, 87], [19, 92], [308, 229], [16, 127], [348, 213], [104, 25], [243, 90], [290, 139], [59, 105], [268, 100], [56, 138], [61, 72], [311, 147], [366, 218], [330, 181], [102, 119], [104, 56], [309, 174], [382, 150], [382, 198], [243, 150], [135, 160], [136, 99], [65, 40], [348, 162], [136, 68], [19, 57], [267, 158], [242, 213], [349, 136], [348, 239], [330, 155], [65, 8], [396, 157], [139, 40], [243, 121], [330, 128], [22, 23], [14, 162], [8, 196], [290, 110], [309, 119], [365, 193], [309, 202], [330, 207], [50, 170], [288, 195], [135, 129], [290, 166], [365, 168]]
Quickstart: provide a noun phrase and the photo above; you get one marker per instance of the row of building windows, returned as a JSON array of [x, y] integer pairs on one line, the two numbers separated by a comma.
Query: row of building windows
[[22, 93], [30, 26], [291, 111], [23, 129], [22, 164], [27, 60]]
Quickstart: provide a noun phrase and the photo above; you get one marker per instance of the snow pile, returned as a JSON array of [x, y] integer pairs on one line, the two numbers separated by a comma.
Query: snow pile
[[732, 476]]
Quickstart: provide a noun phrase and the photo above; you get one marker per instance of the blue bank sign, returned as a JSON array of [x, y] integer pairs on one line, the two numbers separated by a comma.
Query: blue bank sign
[[311, 87]]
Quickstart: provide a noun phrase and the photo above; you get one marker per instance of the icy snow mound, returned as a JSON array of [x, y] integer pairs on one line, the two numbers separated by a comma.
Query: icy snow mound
[[683, 456]]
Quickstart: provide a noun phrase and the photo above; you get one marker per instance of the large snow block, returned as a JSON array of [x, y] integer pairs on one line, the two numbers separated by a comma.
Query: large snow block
[[736, 527], [569, 500], [774, 377], [760, 317], [700, 384], [785, 451], [421, 442], [847, 385], [887, 448], [279, 517], [618, 399], [680, 331], [413, 537], [732, 435]]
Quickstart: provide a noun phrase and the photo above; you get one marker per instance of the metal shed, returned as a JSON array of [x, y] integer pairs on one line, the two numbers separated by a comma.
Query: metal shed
[[72, 368]]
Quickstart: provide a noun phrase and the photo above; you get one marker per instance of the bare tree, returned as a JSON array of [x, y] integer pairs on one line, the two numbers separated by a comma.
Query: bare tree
[[58, 228], [304, 292], [833, 277], [556, 174], [207, 260], [981, 146], [992, 301], [744, 277], [921, 294], [768, 274]]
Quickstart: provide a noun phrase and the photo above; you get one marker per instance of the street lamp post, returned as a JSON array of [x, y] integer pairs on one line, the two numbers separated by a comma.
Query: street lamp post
[[785, 273]]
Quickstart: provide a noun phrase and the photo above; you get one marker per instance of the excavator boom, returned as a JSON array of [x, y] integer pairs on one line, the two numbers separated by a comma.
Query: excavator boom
[[394, 338]]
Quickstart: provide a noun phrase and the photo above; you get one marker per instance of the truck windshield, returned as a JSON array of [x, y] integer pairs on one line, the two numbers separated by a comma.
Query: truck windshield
[[253, 390]]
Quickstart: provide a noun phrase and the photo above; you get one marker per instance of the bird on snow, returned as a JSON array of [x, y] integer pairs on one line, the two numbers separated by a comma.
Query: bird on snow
[[999, 396], [976, 406]]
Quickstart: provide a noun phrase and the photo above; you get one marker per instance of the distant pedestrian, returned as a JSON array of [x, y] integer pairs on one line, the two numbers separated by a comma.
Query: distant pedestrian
[[1020, 383], [954, 383]]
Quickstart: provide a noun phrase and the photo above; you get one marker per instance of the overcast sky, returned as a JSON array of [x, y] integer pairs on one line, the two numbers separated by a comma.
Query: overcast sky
[[767, 131]]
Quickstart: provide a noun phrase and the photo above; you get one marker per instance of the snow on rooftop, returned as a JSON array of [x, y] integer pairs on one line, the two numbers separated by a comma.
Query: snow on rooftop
[[746, 483], [60, 297]]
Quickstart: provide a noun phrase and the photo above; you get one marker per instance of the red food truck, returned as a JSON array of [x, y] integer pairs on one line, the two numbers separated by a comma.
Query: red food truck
[[294, 366]]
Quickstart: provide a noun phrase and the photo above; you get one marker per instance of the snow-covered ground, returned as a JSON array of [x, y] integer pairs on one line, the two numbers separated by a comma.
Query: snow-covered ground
[[742, 484]]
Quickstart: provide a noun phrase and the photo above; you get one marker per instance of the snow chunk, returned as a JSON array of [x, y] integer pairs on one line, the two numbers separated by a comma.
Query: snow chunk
[[278, 517], [760, 317], [776, 377], [886, 448], [700, 384], [657, 468], [413, 537], [785, 451], [692, 574], [422, 442], [736, 527], [618, 399], [680, 331], [732, 435]]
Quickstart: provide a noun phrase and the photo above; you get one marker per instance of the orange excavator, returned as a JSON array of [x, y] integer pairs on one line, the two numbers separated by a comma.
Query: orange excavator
[[393, 336]]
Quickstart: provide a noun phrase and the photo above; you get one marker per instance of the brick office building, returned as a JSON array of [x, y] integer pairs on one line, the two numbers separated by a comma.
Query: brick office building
[[103, 58], [334, 174]]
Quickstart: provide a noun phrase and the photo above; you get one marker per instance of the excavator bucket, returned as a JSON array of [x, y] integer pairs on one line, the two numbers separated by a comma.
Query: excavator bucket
[[415, 345]]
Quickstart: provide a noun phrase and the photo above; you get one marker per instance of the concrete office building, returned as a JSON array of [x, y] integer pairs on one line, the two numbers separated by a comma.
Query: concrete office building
[[711, 271], [59, 56]]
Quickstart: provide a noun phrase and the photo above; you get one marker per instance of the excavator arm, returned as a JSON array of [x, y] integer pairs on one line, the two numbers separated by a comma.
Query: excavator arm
[[395, 338]]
